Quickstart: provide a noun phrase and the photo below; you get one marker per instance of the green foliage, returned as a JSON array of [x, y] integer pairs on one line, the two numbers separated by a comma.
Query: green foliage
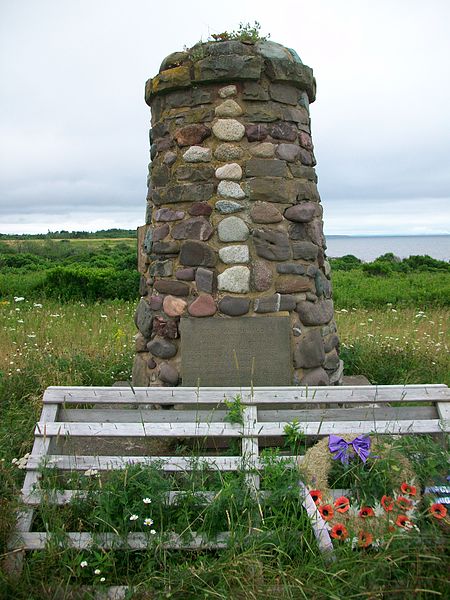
[[345, 263], [378, 268], [72, 235], [235, 410], [295, 439], [246, 32]]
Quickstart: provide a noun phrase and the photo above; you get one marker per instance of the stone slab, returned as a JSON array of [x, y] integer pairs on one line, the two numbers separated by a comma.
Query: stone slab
[[208, 349]]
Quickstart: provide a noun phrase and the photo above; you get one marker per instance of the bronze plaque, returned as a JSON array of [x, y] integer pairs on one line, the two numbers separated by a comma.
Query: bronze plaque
[[240, 351]]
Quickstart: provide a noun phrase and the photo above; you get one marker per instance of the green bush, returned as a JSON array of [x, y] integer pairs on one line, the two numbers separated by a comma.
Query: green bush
[[345, 263], [378, 268]]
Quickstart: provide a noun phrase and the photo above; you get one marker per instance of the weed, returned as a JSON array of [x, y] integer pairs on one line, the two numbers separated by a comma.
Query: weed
[[235, 410]]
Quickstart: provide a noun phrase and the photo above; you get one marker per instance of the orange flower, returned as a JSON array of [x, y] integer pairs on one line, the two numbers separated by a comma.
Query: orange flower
[[366, 511], [404, 522], [326, 512], [342, 504], [403, 503], [339, 532], [316, 495], [438, 511], [407, 489], [365, 539], [387, 502]]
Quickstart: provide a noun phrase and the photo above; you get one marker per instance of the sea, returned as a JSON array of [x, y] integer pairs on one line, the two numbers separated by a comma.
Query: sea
[[367, 248]]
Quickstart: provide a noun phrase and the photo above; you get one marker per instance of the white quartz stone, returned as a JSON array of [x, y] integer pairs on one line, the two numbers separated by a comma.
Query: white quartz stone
[[234, 254], [232, 229], [230, 189], [228, 130], [197, 154], [230, 171], [228, 108], [234, 279]]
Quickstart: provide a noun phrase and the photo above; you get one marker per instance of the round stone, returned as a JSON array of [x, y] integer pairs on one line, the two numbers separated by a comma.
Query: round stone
[[264, 212], [168, 286], [231, 171], [162, 348], [197, 154], [227, 91], [169, 158], [227, 152], [192, 135], [203, 306], [198, 209], [232, 229], [302, 212], [234, 254], [315, 377], [288, 152], [173, 307], [168, 374], [187, 274], [262, 276], [234, 307], [228, 130], [263, 150], [234, 279], [226, 207], [229, 108], [230, 189]]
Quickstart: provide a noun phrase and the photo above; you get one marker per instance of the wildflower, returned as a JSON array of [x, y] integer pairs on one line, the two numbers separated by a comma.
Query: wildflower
[[438, 511], [134, 517], [339, 532], [19, 298], [316, 495], [83, 564], [31, 335], [152, 532], [37, 305], [326, 512], [148, 522], [146, 500], [97, 572], [102, 579], [342, 504], [409, 490], [365, 539], [90, 473], [404, 522], [366, 511], [404, 504]]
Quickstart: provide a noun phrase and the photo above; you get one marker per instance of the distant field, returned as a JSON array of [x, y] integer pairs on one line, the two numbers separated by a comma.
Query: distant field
[[85, 241]]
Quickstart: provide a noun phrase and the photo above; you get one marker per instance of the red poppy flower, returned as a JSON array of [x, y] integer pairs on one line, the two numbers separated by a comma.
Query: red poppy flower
[[342, 504], [438, 511], [326, 512], [316, 495], [365, 539], [339, 532], [404, 522], [409, 490], [403, 503], [387, 502], [366, 511]]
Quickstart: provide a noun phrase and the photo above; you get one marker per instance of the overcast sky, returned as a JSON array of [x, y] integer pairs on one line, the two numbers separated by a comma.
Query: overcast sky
[[74, 125]]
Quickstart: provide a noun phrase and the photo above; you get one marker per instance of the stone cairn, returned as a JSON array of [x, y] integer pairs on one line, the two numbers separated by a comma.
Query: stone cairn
[[234, 221]]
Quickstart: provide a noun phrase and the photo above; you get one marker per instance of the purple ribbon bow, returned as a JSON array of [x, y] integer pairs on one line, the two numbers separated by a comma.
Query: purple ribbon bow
[[339, 448]]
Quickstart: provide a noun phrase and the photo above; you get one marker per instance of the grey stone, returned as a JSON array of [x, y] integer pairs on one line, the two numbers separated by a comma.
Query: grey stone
[[140, 343], [336, 376], [231, 171], [143, 290], [311, 271], [197, 228], [251, 90], [163, 144], [162, 268], [283, 93], [303, 172], [159, 233], [228, 91], [316, 376], [151, 364], [228, 108], [187, 192], [311, 297], [234, 307], [197, 154], [298, 115], [270, 49], [330, 342], [304, 250], [226, 207], [261, 276], [172, 287], [155, 302], [286, 284], [160, 175], [283, 131], [272, 245], [228, 130], [264, 212], [291, 269], [227, 68], [230, 189], [194, 174], [272, 189], [305, 140], [148, 241], [168, 374], [274, 303], [187, 274], [166, 247], [315, 232], [234, 279], [289, 152], [175, 59], [197, 254], [225, 152], [143, 318], [307, 158], [331, 360], [265, 167], [302, 212], [327, 268], [323, 285], [263, 150], [309, 352], [140, 373], [234, 254], [315, 313], [167, 214], [265, 112], [285, 71], [162, 348], [205, 280], [228, 47], [256, 132], [232, 229]]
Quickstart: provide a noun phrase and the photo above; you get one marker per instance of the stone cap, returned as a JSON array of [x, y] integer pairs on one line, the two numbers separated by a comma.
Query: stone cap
[[230, 61]]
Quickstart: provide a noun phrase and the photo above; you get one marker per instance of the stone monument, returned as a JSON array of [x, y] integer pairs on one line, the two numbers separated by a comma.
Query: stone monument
[[235, 286]]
